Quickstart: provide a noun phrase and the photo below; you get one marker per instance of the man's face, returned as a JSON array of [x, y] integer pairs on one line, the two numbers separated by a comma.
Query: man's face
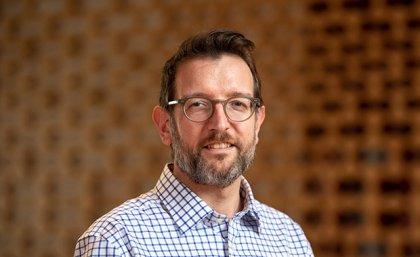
[[215, 152]]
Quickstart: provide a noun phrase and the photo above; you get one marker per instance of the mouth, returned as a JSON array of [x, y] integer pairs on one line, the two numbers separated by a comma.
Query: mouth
[[221, 145]]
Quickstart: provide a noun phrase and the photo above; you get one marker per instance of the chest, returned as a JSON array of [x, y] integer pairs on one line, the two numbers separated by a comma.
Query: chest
[[221, 239]]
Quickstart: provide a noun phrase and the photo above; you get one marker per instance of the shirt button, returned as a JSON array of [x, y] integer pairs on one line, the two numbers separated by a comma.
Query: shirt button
[[231, 246]]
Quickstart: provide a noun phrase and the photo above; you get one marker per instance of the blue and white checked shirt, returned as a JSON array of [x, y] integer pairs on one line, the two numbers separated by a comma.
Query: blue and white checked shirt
[[170, 220]]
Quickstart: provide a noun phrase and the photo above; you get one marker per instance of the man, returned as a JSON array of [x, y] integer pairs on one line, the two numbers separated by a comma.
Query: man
[[210, 113]]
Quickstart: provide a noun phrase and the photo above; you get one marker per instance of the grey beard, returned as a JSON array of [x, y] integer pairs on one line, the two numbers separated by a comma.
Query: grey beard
[[202, 172]]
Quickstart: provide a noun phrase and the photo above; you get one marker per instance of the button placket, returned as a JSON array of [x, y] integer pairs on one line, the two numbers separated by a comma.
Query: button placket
[[231, 236]]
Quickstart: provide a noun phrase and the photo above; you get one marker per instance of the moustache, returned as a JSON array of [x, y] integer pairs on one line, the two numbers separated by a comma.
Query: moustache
[[219, 137]]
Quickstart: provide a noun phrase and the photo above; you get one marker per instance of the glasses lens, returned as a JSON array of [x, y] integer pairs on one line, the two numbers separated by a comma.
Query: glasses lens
[[239, 109], [198, 109]]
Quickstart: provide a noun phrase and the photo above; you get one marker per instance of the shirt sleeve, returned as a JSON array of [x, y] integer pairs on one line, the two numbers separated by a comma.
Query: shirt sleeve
[[96, 246]]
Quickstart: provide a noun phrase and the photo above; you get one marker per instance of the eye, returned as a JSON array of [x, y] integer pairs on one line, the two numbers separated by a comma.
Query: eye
[[195, 104], [239, 104]]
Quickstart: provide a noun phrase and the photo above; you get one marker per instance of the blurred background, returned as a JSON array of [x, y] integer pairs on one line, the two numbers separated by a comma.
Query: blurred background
[[339, 151]]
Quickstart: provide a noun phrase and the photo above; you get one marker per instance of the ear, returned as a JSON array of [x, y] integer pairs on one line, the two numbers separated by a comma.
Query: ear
[[259, 121], [161, 119]]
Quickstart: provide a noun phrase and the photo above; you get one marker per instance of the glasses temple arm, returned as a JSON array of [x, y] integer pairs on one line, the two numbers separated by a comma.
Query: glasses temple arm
[[173, 102]]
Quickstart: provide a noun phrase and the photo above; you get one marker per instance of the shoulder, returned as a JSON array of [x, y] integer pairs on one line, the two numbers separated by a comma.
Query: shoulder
[[113, 233], [274, 219], [131, 215], [278, 226]]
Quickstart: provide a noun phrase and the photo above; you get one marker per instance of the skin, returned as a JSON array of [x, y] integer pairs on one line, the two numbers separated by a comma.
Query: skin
[[219, 78]]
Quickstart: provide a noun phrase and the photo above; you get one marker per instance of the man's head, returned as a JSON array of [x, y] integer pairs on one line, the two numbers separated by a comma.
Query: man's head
[[210, 108], [211, 44]]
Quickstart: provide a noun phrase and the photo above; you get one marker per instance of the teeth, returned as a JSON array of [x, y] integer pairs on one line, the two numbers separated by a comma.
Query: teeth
[[219, 146]]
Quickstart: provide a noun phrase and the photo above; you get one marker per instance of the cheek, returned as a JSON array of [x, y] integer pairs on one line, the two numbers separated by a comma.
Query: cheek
[[252, 133], [189, 133], [244, 133]]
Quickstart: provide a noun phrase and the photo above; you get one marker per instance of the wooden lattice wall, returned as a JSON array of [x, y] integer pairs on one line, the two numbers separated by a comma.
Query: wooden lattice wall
[[339, 151]]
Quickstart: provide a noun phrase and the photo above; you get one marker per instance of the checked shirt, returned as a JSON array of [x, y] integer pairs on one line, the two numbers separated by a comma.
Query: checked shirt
[[170, 220]]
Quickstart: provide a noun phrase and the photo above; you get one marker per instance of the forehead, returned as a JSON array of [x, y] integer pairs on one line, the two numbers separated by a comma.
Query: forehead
[[220, 77]]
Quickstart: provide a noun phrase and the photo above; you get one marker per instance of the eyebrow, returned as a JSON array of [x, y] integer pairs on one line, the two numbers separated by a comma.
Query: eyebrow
[[234, 94]]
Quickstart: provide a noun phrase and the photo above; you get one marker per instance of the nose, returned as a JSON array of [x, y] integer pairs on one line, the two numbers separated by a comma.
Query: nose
[[218, 121]]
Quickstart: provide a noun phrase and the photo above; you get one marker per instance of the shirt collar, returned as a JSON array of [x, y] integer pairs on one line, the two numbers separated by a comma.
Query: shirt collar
[[187, 209], [251, 207]]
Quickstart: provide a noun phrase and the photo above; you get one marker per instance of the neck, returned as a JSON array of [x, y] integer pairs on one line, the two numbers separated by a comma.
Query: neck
[[226, 201]]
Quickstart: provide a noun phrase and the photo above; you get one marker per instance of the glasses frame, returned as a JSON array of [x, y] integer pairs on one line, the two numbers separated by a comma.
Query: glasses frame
[[255, 103]]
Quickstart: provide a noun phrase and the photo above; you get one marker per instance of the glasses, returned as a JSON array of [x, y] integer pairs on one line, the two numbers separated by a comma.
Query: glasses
[[200, 109]]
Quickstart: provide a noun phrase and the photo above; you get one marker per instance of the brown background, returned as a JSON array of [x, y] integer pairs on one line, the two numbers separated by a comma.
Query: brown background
[[339, 151]]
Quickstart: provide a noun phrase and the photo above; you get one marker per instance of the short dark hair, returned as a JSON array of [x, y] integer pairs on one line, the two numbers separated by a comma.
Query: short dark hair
[[209, 44]]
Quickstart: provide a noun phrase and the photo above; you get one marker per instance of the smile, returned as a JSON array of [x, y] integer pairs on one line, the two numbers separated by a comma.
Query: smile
[[219, 146]]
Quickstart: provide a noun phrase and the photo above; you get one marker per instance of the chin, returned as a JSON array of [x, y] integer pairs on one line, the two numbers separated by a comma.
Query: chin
[[222, 165]]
